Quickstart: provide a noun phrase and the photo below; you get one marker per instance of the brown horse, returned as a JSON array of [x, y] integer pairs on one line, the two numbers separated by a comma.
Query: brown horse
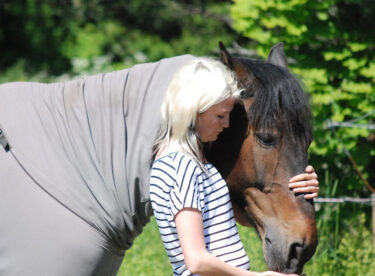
[[264, 147], [74, 166]]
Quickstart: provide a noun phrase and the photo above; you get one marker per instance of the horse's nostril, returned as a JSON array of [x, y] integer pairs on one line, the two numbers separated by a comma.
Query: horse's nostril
[[295, 253]]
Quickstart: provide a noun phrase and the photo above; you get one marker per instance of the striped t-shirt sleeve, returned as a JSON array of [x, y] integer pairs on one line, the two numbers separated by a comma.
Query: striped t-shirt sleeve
[[187, 191]]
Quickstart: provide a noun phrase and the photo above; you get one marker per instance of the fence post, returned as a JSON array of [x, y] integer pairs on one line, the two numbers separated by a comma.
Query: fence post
[[373, 219]]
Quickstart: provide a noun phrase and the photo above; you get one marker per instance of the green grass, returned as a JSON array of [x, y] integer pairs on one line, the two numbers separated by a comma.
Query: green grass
[[345, 252], [348, 252], [147, 255]]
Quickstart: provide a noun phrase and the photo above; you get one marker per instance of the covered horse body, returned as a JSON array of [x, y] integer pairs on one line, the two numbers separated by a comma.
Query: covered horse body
[[74, 184]]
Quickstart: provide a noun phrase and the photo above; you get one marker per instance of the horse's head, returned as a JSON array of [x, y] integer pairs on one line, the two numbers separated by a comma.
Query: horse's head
[[264, 147]]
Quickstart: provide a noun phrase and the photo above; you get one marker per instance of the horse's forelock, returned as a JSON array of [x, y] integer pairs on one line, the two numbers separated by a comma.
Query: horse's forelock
[[279, 102]]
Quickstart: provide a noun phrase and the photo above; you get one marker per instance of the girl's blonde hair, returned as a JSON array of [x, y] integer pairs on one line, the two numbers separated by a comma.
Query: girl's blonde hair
[[194, 88]]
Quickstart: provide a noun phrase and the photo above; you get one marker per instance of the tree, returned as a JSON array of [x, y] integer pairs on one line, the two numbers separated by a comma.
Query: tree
[[332, 44], [90, 36]]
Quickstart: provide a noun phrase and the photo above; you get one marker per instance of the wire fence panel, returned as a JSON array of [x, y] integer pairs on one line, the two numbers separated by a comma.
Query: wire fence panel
[[367, 201]]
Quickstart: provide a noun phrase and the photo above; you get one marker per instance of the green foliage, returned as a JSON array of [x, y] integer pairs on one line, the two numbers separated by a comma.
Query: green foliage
[[18, 72], [33, 30], [345, 237], [86, 37], [332, 43], [345, 251]]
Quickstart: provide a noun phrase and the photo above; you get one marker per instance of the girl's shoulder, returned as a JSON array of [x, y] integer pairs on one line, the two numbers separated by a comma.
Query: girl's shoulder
[[173, 158], [179, 161]]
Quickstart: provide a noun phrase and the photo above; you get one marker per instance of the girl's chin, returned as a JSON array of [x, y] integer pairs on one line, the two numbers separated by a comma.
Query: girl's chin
[[213, 139]]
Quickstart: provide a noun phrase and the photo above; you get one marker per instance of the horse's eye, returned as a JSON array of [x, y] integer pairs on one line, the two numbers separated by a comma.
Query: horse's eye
[[267, 139]]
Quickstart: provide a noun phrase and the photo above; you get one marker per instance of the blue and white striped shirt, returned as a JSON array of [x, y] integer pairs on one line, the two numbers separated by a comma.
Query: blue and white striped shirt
[[178, 182]]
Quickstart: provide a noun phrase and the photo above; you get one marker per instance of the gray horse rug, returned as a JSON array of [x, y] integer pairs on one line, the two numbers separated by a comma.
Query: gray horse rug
[[74, 169]]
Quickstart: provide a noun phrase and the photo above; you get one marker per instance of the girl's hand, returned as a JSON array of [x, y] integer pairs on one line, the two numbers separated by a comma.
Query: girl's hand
[[306, 183]]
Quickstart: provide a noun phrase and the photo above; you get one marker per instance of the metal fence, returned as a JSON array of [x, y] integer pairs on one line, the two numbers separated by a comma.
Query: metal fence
[[367, 201]]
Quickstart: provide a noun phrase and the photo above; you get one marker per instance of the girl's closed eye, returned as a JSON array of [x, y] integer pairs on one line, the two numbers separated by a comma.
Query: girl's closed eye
[[220, 116]]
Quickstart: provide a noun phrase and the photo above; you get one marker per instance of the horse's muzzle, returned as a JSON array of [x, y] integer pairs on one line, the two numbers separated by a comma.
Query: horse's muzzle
[[286, 256]]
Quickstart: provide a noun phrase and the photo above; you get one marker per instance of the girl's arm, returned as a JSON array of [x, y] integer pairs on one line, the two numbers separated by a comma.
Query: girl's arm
[[306, 183], [190, 232]]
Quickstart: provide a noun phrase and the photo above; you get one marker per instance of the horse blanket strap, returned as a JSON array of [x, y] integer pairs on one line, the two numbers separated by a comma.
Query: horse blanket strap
[[3, 140]]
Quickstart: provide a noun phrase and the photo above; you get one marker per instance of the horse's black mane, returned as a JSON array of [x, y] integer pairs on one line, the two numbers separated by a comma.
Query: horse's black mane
[[279, 101]]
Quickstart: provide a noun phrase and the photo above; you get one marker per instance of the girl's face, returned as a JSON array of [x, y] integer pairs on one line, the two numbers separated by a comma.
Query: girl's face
[[211, 123]]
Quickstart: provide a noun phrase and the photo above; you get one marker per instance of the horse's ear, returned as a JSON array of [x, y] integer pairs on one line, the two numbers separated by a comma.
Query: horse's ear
[[232, 63], [245, 77], [277, 56], [225, 57]]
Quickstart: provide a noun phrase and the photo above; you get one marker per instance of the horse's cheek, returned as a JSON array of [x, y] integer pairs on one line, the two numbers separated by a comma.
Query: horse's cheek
[[246, 162], [257, 208], [241, 216]]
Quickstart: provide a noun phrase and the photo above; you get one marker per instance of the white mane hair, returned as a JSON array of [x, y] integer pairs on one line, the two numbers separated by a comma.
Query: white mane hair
[[194, 88]]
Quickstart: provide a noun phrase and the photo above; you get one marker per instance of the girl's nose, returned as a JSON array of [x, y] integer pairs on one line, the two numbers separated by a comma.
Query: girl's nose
[[226, 121]]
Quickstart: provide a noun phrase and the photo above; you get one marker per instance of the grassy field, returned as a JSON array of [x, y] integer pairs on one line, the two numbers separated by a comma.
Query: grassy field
[[349, 253], [147, 256]]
